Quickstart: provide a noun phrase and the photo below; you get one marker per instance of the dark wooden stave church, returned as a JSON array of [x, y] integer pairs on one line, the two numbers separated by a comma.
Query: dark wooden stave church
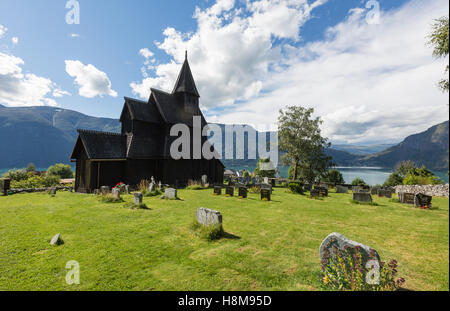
[[142, 149]]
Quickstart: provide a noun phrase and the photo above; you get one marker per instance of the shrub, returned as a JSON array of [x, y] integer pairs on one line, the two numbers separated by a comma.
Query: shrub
[[358, 182], [61, 170], [295, 188], [209, 233], [50, 181], [334, 176], [31, 168], [16, 175], [394, 180], [345, 271], [30, 182], [143, 185]]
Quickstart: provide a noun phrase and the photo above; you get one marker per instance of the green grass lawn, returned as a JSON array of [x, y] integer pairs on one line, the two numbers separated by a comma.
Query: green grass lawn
[[269, 245]]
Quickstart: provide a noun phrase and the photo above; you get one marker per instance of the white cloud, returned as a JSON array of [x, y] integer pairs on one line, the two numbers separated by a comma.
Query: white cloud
[[15, 40], [3, 30], [23, 89], [367, 82], [92, 82], [231, 51], [145, 52], [75, 35]]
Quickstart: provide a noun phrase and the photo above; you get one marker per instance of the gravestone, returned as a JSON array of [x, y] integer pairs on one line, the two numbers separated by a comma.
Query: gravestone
[[243, 192], [96, 191], [204, 180], [56, 240], [170, 193], [217, 190], [138, 198], [104, 190], [323, 191], [406, 198], [151, 187], [341, 189], [374, 190], [341, 243], [265, 194], [5, 184], [267, 187], [314, 193], [116, 193], [385, 193], [423, 201], [209, 217], [126, 189], [266, 180], [53, 191], [229, 191], [364, 197], [152, 180]]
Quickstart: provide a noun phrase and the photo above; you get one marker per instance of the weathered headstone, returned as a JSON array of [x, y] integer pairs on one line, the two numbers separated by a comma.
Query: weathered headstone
[[217, 190], [116, 193], [423, 201], [126, 189], [170, 193], [204, 180], [266, 180], [406, 198], [53, 191], [138, 198], [341, 189], [105, 190], [341, 243], [208, 217], [364, 197], [151, 187], [243, 192], [229, 191], [323, 191], [374, 190], [56, 240], [5, 184], [96, 192], [152, 180], [385, 193], [265, 194], [314, 193]]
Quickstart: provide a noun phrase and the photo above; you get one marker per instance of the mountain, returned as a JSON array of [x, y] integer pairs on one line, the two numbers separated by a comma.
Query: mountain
[[43, 135], [362, 149], [46, 135], [429, 148]]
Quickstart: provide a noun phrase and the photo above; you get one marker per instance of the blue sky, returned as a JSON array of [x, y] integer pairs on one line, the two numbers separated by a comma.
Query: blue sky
[[249, 59]]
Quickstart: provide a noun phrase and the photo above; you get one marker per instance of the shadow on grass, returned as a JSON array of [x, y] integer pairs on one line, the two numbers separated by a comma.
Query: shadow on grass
[[230, 236]]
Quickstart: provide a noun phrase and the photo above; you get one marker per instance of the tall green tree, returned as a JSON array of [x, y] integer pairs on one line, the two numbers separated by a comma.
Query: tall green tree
[[300, 137], [438, 39]]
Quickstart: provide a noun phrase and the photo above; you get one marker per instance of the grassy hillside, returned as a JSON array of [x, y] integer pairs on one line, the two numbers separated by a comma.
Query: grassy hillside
[[269, 245]]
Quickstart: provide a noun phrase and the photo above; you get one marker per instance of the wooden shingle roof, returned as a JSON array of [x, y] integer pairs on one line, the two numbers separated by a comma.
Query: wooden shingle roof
[[102, 145], [185, 81], [142, 111]]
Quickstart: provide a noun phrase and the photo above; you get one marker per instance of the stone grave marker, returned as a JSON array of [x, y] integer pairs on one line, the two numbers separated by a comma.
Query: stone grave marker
[[406, 198], [266, 180], [56, 240], [229, 191], [423, 201], [364, 197], [116, 193], [374, 190], [204, 180], [314, 193], [209, 217], [341, 189], [138, 198], [53, 191], [96, 192], [336, 240], [151, 187], [170, 193], [265, 194], [323, 191], [243, 192], [104, 190], [217, 190], [385, 193], [5, 185]]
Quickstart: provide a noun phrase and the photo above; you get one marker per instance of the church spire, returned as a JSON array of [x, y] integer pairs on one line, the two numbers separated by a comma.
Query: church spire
[[185, 82]]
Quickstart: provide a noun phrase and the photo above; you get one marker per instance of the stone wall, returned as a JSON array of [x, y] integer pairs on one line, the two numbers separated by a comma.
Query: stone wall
[[433, 190], [31, 190]]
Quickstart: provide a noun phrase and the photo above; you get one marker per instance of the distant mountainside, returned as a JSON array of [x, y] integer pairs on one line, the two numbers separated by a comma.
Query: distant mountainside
[[361, 150], [429, 148], [46, 135]]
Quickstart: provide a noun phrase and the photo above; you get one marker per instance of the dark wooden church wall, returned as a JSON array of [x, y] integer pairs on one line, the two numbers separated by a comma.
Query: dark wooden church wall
[[111, 173], [137, 170]]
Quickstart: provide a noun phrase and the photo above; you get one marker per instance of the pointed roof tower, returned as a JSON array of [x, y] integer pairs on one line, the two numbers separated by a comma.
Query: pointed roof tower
[[185, 82]]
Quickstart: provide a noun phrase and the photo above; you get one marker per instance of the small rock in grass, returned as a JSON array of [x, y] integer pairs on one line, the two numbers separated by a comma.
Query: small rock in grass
[[56, 240]]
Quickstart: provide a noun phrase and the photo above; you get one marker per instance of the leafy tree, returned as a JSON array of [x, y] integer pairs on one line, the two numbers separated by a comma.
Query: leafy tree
[[334, 176], [61, 170], [358, 182], [394, 180], [404, 167], [300, 137], [421, 176], [31, 168], [16, 175], [246, 174], [264, 173], [438, 39]]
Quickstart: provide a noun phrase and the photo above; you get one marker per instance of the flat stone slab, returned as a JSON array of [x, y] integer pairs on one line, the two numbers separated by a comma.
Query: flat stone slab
[[337, 240], [385, 193], [217, 190], [56, 240], [423, 201], [138, 198], [341, 189], [229, 191], [170, 193], [208, 217], [364, 197], [243, 192], [406, 198]]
